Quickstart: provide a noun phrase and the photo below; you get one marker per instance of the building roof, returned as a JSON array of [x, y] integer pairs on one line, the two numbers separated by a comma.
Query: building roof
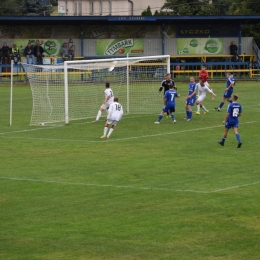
[[234, 19]]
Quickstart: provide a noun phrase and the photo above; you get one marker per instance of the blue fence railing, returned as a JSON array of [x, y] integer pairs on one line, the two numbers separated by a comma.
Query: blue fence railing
[[181, 70]]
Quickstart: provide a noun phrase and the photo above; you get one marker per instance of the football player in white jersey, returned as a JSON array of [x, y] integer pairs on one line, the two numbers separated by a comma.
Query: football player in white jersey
[[202, 90], [109, 99], [115, 113]]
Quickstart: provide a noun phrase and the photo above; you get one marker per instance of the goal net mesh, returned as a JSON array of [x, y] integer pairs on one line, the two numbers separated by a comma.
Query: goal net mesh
[[134, 81]]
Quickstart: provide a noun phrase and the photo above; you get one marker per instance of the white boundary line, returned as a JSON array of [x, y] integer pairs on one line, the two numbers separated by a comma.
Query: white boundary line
[[130, 187], [123, 139]]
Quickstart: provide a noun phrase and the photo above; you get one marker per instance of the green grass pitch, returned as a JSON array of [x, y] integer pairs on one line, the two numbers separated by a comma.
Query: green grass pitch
[[166, 191]]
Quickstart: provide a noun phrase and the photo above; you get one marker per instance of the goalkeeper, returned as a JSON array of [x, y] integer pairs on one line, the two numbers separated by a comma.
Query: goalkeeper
[[166, 86], [109, 99]]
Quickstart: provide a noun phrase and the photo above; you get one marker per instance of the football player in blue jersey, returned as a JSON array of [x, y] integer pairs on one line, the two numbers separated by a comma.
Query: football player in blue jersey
[[231, 120], [191, 98], [166, 85], [228, 92], [169, 103]]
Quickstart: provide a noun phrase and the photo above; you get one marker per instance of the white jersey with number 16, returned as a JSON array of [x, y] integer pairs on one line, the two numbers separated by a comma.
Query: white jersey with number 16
[[115, 111]]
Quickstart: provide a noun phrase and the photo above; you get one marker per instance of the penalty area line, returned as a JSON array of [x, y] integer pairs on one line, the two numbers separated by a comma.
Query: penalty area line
[[131, 187], [116, 139], [122, 139]]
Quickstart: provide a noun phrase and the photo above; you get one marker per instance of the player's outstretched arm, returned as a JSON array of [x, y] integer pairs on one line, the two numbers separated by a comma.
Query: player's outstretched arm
[[159, 91]]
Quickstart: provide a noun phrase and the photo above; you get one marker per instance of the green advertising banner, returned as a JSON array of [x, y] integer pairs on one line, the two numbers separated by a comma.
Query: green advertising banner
[[119, 46], [186, 46], [50, 46]]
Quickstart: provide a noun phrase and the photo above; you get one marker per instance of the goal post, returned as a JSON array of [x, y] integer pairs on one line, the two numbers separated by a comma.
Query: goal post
[[74, 90]]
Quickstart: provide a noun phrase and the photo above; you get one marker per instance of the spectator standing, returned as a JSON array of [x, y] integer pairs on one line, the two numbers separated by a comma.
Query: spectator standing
[[233, 51], [5, 52]]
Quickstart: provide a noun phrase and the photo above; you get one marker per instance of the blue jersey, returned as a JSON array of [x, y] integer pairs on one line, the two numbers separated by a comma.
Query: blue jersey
[[191, 88], [234, 109], [229, 81], [228, 93], [170, 96]]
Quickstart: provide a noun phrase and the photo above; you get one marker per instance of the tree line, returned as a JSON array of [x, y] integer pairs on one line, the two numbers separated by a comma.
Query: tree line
[[170, 8], [27, 7], [212, 7]]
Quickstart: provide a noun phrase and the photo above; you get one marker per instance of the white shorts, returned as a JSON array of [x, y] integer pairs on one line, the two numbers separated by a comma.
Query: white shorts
[[105, 106], [201, 98], [112, 122]]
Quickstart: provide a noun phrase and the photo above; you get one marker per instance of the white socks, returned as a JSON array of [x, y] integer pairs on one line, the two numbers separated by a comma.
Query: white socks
[[110, 131], [98, 115], [204, 108], [105, 130]]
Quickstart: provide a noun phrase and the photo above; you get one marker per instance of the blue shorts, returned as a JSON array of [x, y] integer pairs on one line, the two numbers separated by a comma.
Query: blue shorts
[[229, 125], [168, 109], [228, 94], [190, 101]]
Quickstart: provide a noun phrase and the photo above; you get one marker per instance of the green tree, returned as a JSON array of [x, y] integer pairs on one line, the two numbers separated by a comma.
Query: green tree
[[159, 13], [10, 8], [54, 2], [244, 7], [147, 12], [191, 7], [35, 8], [222, 6]]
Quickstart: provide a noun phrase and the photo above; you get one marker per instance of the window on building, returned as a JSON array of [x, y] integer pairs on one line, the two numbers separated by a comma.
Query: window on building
[[109, 8], [75, 8], [91, 8], [100, 8], [80, 9]]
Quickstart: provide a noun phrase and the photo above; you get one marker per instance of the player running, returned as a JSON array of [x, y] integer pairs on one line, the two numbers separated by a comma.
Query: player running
[[230, 83], [169, 103], [109, 99], [115, 113], [165, 85], [202, 90], [231, 120], [203, 74], [191, 98]]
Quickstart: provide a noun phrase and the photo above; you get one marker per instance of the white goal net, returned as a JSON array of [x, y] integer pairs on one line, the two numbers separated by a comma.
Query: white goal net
[[74, 90]]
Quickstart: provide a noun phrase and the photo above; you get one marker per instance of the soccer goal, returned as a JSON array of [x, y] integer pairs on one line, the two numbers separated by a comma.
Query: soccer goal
[[74, 90]]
